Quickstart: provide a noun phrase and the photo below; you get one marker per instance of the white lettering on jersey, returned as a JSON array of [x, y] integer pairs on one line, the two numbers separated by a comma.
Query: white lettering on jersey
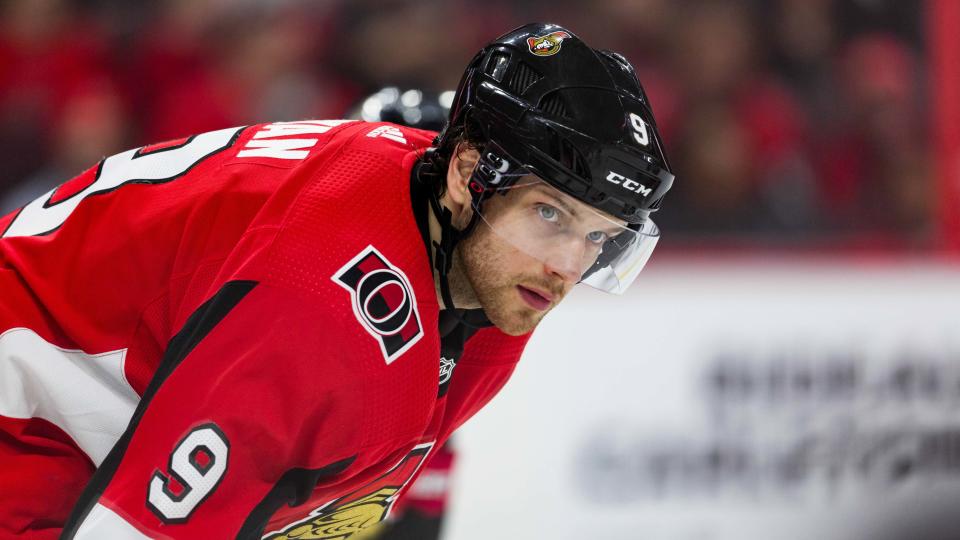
[[85, 395], [278, 148], [102, 522], [131, 166], [286, 129], [388, 132], [265, 143]]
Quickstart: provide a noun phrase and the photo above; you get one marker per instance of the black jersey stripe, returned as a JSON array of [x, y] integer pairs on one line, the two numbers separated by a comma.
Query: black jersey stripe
[[197, 327]]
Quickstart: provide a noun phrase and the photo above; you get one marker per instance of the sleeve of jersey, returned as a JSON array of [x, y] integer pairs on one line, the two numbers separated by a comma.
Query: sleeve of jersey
[[240, 398], [488, 361]]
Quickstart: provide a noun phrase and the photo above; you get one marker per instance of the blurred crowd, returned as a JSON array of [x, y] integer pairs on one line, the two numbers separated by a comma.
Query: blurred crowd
[[787, 121]]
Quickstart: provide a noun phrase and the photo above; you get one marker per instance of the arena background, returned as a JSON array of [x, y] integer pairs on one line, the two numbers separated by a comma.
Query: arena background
[[789, 364]]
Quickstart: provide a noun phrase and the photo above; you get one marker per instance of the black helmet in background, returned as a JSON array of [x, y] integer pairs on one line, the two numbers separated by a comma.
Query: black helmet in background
[[408, 107]]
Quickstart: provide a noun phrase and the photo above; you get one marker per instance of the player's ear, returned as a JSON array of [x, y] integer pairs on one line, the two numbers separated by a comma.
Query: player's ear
[[457, 194]]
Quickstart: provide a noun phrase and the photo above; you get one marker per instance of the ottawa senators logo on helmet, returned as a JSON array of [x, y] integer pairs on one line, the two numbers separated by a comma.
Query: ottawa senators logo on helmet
[[383, 301], [547, 45]]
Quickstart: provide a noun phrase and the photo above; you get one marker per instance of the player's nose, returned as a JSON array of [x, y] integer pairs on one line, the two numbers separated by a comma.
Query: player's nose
[[566, 261]]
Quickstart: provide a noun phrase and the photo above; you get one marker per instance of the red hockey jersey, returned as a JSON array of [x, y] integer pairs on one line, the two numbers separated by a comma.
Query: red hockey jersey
[[230, 335]]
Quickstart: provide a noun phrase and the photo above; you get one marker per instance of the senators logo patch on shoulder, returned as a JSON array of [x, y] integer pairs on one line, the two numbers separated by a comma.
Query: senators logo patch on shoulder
[[383, 301]]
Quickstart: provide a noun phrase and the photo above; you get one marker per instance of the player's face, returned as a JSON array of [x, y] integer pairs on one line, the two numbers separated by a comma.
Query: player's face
[[531, 247]]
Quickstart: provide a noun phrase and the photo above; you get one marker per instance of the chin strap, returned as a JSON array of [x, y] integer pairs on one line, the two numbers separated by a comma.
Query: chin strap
[[443, 250]]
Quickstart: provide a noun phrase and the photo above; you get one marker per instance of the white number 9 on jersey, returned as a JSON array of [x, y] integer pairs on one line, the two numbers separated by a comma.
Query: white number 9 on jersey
[[198, 463]]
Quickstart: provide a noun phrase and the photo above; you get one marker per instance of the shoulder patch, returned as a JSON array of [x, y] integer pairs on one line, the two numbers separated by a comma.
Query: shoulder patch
[[383, 301]]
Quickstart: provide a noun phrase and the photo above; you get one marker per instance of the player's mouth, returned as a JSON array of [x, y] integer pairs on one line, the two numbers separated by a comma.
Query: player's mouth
[[538, 300]]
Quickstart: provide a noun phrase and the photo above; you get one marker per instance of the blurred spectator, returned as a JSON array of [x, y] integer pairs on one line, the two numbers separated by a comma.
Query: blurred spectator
[[803, 36], [410, 44], [48, 53], [787, 119], [873, 164], [741, 145], [174, 50], [92, 122], [219, 65]]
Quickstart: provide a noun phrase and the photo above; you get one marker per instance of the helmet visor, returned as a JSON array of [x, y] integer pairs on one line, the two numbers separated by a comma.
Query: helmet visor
[[571, 238]]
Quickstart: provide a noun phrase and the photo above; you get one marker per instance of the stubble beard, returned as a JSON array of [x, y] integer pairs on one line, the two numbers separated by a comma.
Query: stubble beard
[[478, 273]]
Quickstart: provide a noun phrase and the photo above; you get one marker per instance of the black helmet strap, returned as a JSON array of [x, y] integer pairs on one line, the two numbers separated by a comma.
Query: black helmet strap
[[443, 250]]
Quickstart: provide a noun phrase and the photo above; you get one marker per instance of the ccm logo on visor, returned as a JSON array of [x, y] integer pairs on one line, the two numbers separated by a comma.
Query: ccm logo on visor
[[628, 184]]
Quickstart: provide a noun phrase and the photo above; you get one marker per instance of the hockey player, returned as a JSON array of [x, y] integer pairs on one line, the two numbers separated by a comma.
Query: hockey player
[[263, 332]]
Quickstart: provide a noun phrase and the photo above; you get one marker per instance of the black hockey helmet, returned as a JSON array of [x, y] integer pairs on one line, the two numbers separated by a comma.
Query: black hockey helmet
[[546, 106], [576, 117], [412, 107]]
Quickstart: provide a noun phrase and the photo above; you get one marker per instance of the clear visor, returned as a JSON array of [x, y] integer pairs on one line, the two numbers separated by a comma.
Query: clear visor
[[570, 237]]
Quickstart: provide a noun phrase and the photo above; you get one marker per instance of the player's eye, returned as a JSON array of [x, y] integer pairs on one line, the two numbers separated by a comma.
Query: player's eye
[[597, 237], [548, 213]]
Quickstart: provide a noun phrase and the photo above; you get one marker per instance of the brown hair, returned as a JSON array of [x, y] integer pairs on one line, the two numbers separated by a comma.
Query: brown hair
[[468, 134]]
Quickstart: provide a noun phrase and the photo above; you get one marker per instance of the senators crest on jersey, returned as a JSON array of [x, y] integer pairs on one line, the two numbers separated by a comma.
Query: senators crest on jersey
[[383, 301], [347, 516]]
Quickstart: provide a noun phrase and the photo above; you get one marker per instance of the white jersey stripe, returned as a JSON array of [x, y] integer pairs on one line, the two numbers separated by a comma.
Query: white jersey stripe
[[85, 395], [102, 523]]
